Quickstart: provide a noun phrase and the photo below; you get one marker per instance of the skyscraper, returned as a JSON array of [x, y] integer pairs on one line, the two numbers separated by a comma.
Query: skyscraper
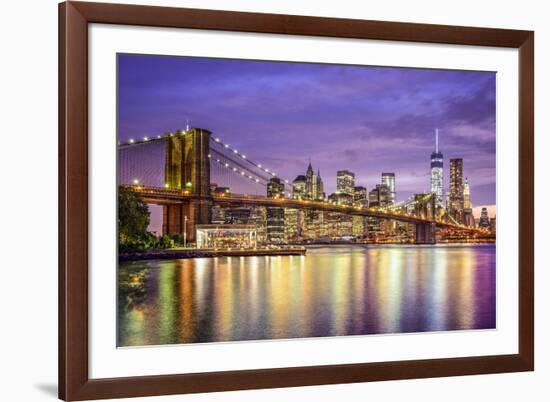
[[467, 203], [468, 214], [275, 188], [360, 196], [484, 222], [309, 181], [314, 184], [345, 182], [379, 196], [318, 188], [388, 179], [299, 187], [437, 172], [456, 189]]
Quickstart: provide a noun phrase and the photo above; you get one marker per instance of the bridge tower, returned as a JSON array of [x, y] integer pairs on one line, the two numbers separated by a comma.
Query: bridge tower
[[425, 233], [187, 168], [425, 207]]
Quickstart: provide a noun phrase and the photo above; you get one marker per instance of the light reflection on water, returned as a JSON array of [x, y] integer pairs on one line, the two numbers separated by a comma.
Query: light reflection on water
[[337, 290]]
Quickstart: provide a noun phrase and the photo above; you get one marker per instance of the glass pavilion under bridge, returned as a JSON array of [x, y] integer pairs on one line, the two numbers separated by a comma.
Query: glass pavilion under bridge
[[226, 236]]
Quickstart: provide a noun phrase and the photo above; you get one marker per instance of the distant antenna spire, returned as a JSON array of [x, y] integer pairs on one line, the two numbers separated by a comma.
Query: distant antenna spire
[[436, 140], [186, 124]]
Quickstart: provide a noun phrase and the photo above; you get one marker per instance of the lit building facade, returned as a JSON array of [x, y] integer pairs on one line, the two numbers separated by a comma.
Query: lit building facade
[[379, 197], [314, 185], [436, 166], [468, 216], [275, 188], [388, 179], [456, 189], [341, 199], [467, 201], [226, 236], [275, 216], [299, 187], [345, 182], [291, 229], [360, 196], [218, 215], [484, 222]]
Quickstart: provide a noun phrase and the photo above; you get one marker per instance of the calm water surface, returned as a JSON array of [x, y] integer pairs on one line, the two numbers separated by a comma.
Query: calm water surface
[[336, 290]]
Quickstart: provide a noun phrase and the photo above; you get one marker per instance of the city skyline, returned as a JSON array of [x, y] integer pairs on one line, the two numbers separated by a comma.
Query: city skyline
[[328, 100]]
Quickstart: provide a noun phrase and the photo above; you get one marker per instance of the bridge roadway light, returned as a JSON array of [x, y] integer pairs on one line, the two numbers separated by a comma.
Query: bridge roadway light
[[131, 141]]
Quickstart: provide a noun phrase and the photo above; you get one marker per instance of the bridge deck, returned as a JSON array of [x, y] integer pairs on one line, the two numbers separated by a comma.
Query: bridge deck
[[165, 196]]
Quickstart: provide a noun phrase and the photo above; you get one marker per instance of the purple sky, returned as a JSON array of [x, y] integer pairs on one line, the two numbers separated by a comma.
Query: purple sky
[[364, 119]]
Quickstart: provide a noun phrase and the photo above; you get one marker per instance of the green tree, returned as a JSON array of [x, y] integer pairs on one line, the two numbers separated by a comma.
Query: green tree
[[133, 220]]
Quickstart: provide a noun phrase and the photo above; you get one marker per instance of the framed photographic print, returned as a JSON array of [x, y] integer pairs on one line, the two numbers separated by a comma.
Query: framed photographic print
[[259, 200]]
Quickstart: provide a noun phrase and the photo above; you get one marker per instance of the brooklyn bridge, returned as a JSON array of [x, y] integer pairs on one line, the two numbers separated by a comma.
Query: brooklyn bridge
[[177, 171]]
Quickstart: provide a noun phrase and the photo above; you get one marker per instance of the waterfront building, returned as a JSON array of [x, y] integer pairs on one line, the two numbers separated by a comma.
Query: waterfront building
[[315, 224], [275, 216], [275, 225], [337, 225], [237, 215], [484, 222], [218, 215], [436, 166], [345, 182], [226, 236], [360, 196], [258, 217], [388, 179], [359, 226], [291, 224], [373, 229], [456, 188]]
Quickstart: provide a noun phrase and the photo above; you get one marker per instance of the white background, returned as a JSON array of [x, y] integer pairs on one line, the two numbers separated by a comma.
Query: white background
[[28, 89], [108, 361]]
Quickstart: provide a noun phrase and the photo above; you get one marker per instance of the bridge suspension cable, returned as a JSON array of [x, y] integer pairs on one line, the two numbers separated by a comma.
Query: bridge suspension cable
[[226, 147]]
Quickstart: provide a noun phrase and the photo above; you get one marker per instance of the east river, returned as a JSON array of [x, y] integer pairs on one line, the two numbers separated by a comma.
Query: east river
[[331, 291]]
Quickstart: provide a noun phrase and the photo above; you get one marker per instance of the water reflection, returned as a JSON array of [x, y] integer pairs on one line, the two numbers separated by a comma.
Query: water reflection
[[331, 291]]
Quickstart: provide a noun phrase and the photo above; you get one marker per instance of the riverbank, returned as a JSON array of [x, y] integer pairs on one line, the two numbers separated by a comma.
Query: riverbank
[[173, 254]]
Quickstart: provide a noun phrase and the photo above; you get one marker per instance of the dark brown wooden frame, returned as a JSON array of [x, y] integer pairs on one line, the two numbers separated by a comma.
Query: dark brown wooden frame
[[74, 17]]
